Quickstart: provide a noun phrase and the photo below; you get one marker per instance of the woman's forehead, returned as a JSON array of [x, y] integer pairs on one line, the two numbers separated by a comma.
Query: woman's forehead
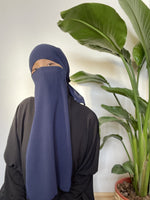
[[46, 51], [44, 60]]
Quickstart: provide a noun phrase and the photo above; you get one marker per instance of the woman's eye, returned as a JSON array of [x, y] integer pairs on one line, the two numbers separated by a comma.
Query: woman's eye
[[49, 64]]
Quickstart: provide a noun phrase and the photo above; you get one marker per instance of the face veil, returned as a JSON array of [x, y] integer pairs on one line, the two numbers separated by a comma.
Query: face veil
[[49, 154]]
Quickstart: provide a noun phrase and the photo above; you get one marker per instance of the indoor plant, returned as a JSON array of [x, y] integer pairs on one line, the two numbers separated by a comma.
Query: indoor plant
[[99, 27]]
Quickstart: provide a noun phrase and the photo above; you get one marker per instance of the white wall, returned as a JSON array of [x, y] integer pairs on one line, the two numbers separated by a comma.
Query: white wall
[[24, 24]]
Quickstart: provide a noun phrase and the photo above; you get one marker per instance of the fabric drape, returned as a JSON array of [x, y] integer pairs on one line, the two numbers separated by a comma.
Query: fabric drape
[[49, 154]]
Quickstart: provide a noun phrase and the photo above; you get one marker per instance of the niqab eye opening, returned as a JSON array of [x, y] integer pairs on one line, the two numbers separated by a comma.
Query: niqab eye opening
[[49, 64]]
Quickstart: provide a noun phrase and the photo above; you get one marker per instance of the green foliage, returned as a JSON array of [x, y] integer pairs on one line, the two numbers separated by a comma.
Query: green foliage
[[118, 137], [139, 15], [138, 54], [127, 167], [99, 27], [88, 23], [129, 94], [83, 77], [107, 119], [118, 169], [121, 113]]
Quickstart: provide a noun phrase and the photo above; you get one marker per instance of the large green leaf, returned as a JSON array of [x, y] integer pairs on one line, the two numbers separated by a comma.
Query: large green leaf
[[139, 15], [116, 136], [127, 167], [121, 113], [129, 94], [138, 54], [126, 55], [118, 169], [84, 77], [117, 111], [96, 26], [106, 119]]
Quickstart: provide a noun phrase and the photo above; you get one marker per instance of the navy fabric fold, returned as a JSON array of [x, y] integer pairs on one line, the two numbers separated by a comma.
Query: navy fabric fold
[[49, 151], [49, 155]]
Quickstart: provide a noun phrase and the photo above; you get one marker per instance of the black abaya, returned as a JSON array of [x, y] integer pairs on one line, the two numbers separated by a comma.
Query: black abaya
[[85, 152]]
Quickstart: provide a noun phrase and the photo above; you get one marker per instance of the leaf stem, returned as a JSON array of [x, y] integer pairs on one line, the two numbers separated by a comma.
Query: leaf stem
[[126, 150], [135, 91], [116, 97]]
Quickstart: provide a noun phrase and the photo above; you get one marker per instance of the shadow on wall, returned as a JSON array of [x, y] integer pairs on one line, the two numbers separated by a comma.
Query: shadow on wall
[[98, 63]]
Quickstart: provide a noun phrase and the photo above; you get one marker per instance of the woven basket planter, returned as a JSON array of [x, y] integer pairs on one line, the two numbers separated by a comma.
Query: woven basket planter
[[117, 194]]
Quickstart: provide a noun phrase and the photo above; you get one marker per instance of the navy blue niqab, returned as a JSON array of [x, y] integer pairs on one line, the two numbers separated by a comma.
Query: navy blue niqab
[[49, 152]]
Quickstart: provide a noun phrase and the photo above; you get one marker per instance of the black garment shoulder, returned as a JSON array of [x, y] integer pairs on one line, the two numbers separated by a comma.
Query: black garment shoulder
[[85, 152]]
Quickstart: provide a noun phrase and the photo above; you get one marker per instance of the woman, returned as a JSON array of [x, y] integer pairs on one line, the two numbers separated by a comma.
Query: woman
[[53, 145]]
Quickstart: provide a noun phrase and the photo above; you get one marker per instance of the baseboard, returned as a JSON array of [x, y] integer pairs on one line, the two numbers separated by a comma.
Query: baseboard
[[104, 195]]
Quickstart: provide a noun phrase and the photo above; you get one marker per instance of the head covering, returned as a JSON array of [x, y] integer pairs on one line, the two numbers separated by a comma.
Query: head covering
[[49, 152], [46, 51]]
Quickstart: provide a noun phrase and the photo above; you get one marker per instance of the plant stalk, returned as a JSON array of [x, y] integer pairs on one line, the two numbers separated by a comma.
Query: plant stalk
[[135, 91], [138, 162]]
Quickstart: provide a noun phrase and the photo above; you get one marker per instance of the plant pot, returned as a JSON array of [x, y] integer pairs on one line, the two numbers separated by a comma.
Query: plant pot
[[117, 194]]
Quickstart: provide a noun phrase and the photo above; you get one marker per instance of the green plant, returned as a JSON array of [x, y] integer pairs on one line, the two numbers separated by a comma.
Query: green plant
[[99, 27]]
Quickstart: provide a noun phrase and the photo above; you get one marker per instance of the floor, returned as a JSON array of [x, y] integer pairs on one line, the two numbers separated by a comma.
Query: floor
[[104, 196]]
